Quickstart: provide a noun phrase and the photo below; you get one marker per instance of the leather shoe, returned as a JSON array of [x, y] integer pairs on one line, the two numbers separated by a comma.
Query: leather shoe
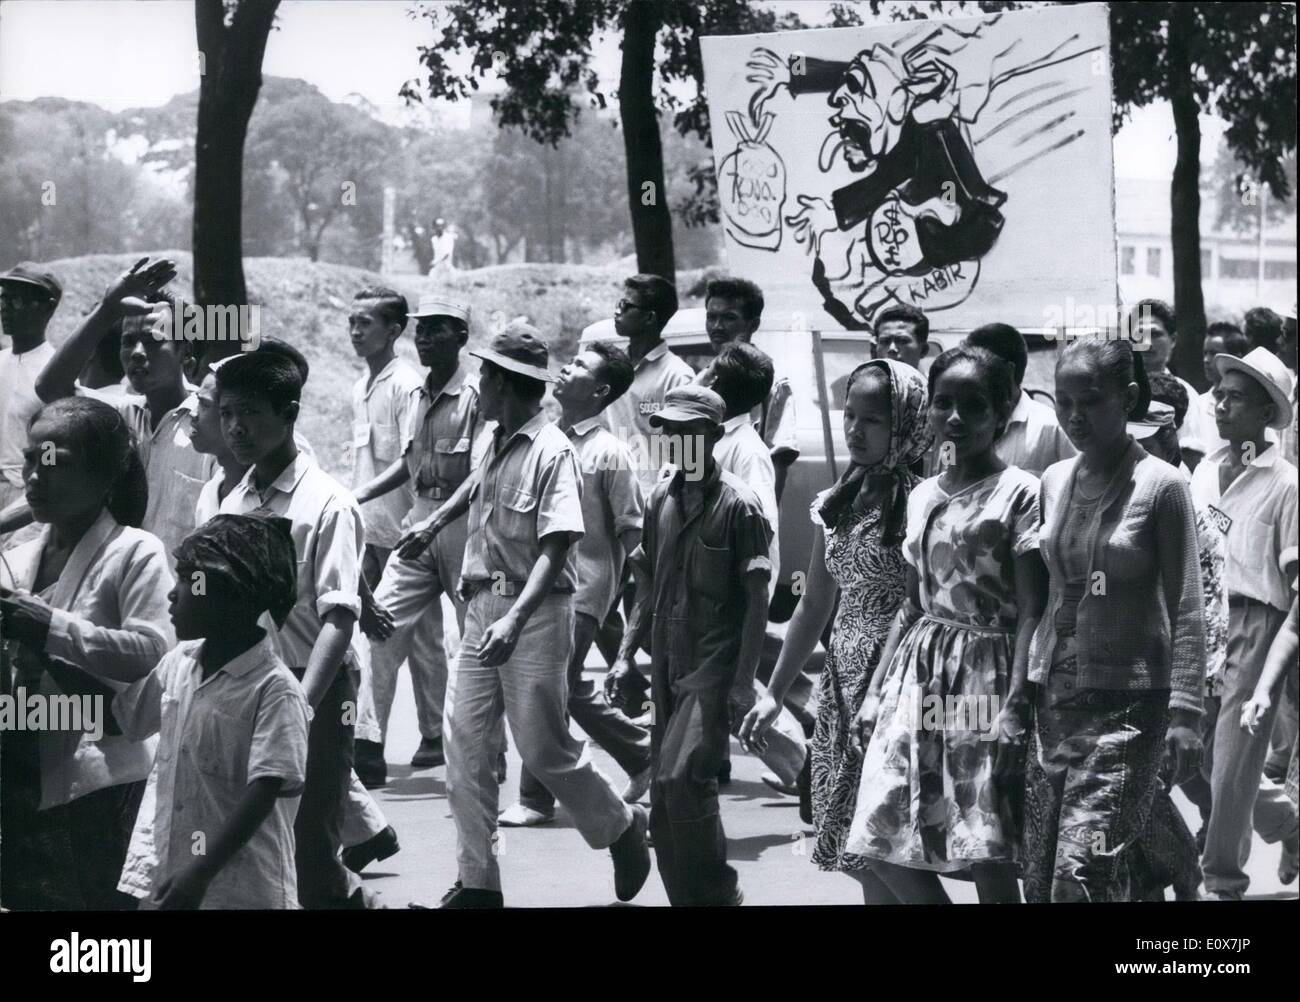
[[357, 857], [429, 755], [519, 816], [471, 898], [631, 856]]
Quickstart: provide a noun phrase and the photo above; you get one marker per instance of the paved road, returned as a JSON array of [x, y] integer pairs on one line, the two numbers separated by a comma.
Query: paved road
[[552, 866]]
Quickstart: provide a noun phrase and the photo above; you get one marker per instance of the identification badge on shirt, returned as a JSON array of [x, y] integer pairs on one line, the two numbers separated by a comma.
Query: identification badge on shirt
[[360, 435], [1222, 521]]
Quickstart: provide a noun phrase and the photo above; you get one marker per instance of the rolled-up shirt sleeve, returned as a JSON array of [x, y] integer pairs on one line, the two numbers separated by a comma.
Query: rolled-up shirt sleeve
[[337, 567], [130, 651], [751, 536], [559, 498], [278, 746], [623, 490], [138, 707]]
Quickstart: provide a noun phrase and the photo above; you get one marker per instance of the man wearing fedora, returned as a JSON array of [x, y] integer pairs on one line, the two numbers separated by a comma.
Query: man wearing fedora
[[29, 295], [1250, 492], [519, 576], [435, 462]]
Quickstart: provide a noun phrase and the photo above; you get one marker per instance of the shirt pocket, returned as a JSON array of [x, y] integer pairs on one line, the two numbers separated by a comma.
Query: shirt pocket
[[386, 442], [712, 572], [450, 462], [517, 514], [219, 743]]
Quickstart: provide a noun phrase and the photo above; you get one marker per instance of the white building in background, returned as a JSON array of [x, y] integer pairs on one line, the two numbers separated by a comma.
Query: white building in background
[[1229, 260]]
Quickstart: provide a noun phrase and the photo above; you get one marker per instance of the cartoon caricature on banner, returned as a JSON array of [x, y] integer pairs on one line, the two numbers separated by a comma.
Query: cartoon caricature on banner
[[961, 166]]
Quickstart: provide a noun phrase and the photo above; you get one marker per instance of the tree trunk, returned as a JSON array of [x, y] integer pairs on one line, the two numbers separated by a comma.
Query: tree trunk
[[1185, 201], [228, 91], [420, 248], [652, 225]]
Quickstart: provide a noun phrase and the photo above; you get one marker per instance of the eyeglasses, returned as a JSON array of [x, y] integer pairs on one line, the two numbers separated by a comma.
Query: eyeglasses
[[626, 304]]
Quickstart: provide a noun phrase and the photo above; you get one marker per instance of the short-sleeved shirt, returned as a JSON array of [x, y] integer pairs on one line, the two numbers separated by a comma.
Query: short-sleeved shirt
[[381, 415], [327, 535], [628, 417], [175, 472], [526, 487], [110, 619], [18, 404], [696, 550], [247, 721], [612, 504], [440, 436], [1034, 439], [209, 502], [1257, 516], [743, 454]]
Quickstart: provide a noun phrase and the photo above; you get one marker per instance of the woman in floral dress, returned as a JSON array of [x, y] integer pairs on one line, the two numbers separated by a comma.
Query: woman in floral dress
[[857, 556], [943, 770]]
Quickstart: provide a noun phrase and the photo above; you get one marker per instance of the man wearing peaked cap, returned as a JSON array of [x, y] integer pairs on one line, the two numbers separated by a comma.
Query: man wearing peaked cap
[[1250, 490], [702, 571], [28, 298], [436, 449], [518, 577]]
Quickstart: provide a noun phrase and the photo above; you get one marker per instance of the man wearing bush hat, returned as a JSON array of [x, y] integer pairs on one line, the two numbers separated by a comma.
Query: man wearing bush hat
[[520, 571], [1251, 493]]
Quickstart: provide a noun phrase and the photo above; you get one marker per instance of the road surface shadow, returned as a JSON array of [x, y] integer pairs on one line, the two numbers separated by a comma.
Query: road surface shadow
[[751, 847]]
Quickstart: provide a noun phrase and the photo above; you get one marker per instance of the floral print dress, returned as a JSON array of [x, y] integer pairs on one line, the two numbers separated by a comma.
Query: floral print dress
[[872, 580], [926, 799]]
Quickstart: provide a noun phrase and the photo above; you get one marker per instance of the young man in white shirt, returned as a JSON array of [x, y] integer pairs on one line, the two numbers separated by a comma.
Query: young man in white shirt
[[1250, 492], [733, 311], [648, 303], [258, 400], [1033, 439], [29, 295], [1152, 323]]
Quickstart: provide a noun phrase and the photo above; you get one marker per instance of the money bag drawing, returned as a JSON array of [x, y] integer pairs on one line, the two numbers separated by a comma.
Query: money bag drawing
[[752, 185], [924, 213]]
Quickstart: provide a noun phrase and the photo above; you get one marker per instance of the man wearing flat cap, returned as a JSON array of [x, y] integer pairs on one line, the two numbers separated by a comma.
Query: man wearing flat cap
[[519, 576], [29, 296], [702, 572]]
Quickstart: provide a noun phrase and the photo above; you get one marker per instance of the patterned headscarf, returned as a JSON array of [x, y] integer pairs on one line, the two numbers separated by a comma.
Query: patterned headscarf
[[253, 553], [909, 440]]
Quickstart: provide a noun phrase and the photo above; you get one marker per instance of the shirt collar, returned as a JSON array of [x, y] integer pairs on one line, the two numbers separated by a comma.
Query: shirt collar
[[582, 429], [654, 354], [458, 381], [285, 482], [1020, 413], [735, 424], [529, 429], [1264, 460], [256, 656], [385, 374]]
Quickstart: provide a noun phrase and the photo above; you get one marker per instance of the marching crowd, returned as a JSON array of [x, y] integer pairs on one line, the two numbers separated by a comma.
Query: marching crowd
[[1036, 621]]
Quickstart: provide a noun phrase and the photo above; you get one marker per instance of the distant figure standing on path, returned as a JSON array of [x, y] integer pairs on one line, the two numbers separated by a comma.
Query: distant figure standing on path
[[444, 244]]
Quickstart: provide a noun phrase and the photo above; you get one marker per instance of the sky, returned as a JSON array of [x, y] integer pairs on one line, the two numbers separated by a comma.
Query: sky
[[132, 53]]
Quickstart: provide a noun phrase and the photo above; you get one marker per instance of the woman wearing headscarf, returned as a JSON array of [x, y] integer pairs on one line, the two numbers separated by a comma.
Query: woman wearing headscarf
[[857, 557], [942, 725], [90, 591]]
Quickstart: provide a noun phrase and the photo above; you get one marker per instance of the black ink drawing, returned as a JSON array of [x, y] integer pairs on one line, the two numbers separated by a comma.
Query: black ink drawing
[[916, 225]]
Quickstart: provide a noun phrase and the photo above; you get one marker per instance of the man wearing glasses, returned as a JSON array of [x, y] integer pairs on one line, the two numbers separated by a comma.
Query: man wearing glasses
[[648, 303]]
